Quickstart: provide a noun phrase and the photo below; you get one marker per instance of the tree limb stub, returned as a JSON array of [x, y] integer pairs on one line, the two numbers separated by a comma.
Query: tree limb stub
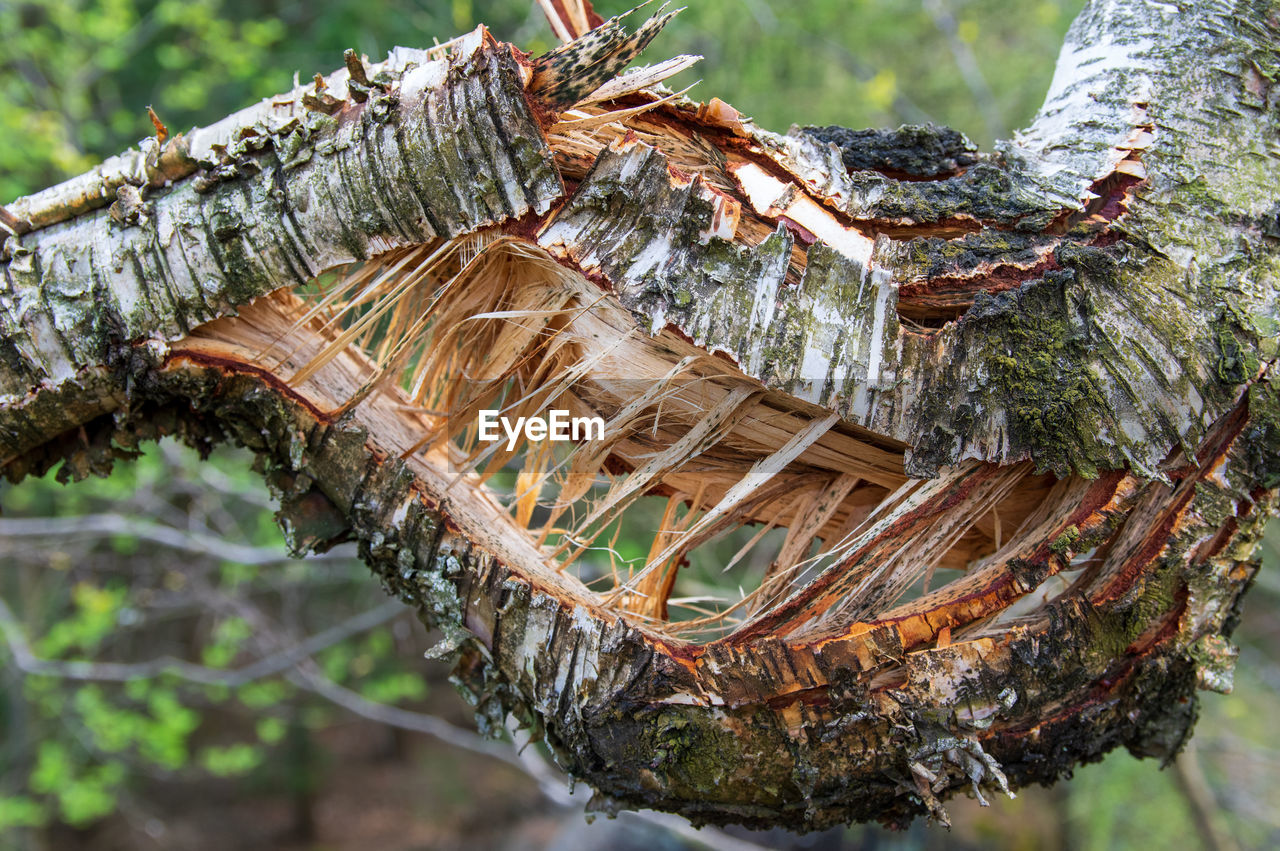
[[1012, 416]]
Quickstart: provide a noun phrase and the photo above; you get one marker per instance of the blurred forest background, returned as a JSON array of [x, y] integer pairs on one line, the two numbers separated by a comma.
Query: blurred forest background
[[169, 678]]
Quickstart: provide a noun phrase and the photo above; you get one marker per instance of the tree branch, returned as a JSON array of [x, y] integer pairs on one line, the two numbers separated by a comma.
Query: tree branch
[[55, 529], [27, 661]]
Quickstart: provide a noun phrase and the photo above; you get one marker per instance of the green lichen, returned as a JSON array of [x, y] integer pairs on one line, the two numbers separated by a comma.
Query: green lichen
[[1237, 353], [1215, 660], [934, 257], [985, 192], [696, 757], [244, 274], [1261, 436], [1039, 362], [1066, 542]]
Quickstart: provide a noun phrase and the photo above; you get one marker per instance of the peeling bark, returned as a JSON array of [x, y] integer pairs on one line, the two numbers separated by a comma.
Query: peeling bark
[[1049, 367]]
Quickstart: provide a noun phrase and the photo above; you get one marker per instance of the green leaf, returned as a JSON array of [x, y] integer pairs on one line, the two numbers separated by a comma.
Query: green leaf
[[261, 695], [402, 685], [230, 761], [336, 661], [95, 616], [137, 689], [113, 729], [53, 768], [164, 741], [270, 730], [91, 796], [20, 811]]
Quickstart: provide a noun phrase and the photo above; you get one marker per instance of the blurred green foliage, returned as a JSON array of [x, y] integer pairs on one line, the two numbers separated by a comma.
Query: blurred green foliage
[[872, 63], [70, 745], [76, 77]]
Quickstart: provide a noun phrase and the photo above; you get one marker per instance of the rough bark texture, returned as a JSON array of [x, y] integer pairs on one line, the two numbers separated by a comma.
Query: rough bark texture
[[1097, 300]]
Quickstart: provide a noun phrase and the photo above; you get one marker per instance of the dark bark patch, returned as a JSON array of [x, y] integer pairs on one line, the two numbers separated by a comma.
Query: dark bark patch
[[912, 151]]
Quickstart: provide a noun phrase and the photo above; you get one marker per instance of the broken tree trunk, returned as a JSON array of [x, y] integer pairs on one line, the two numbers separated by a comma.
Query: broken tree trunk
[[993, 435]]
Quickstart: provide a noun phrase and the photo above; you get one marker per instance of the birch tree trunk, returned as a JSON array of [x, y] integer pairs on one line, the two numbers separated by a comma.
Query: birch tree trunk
[[1015, 411]]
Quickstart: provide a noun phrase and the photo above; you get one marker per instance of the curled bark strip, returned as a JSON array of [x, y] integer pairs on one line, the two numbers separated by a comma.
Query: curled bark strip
[[1013, 416]]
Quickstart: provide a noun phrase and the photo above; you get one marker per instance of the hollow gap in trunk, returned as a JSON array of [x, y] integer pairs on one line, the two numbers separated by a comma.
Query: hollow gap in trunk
[[686, 495]]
